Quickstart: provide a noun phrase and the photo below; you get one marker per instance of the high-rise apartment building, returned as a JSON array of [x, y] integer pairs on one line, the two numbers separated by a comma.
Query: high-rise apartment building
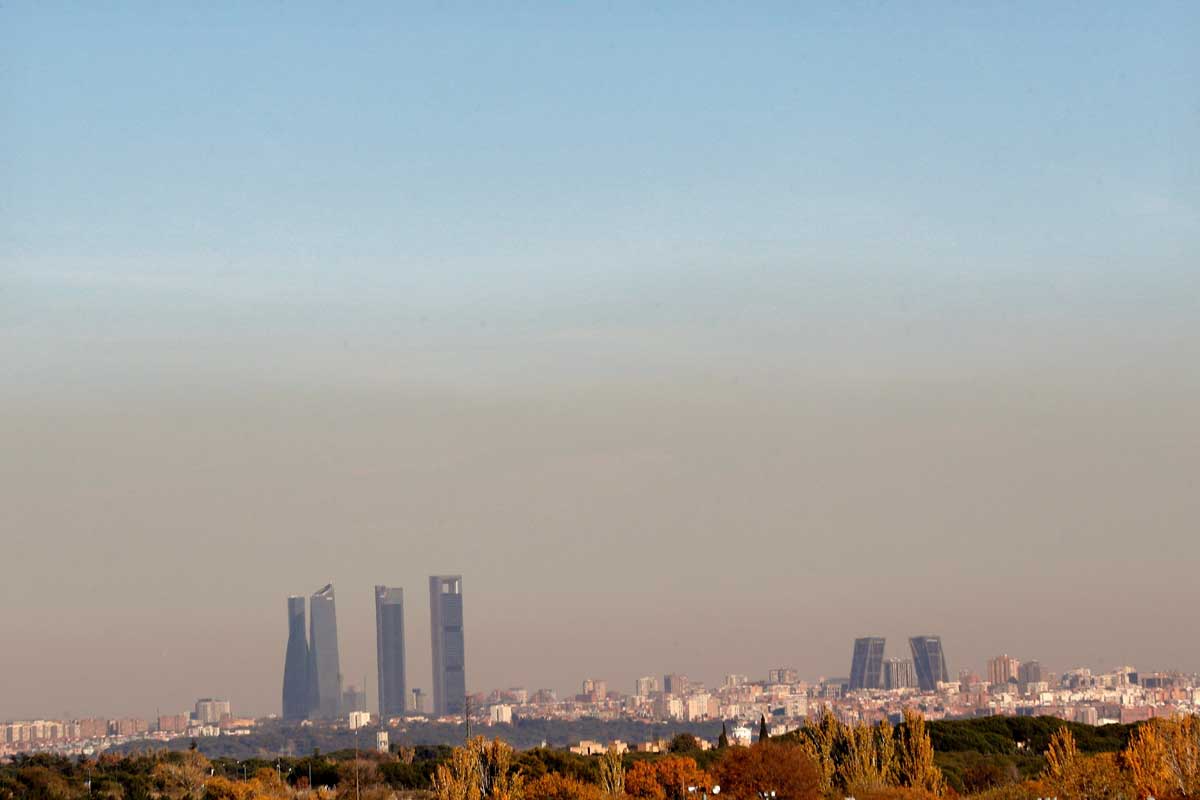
[[594, 690], [783, 675], [1029, 672], [929, 660], [675, 684], [389, 651], [1003, 670], [449, 648], [324, 669], [210, 711], [899, 673], [866, 666], [646, 686], [295, 664]]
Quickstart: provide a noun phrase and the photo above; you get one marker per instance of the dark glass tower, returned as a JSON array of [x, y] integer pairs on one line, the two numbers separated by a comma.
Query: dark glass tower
[[449, 656], [295, 665], [324, 677], [389, 651], [866, 668], [929, 661]]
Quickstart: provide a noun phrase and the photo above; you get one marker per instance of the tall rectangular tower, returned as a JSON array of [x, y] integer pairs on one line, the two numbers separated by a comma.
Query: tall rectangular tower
[[449, 649], [929, 660], [324, 669], [866, 667], [389, 651]]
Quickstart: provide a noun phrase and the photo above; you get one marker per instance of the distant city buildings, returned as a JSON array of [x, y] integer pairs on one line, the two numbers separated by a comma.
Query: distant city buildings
[[210, 711], [449, 649], [389, 651], [866, 666], [1119, 695], [1003, 670], [783, 675], [594, 690], [877, 688], [1029, 672], [674, 684]]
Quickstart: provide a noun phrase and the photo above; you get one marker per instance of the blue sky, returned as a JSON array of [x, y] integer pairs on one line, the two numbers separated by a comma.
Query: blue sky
[[425, 150], [737, 308]]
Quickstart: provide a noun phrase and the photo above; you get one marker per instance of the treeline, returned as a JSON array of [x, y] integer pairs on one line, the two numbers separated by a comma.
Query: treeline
[[278, 738], [979, 754], [1007, 759]]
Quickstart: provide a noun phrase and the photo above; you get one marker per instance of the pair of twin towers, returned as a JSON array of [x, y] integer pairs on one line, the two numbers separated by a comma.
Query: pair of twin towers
[[312, 679], [928, 662]]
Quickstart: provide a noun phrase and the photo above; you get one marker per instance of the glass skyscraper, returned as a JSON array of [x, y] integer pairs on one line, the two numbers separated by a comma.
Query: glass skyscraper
[[929, 660], [449, 656], [324, 671], [295, 665], [389, 651], [866, 667]]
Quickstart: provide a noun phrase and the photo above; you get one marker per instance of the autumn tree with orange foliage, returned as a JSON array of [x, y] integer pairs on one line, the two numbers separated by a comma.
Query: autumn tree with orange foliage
[[1163, 758], [264, 785], [665, 779], [1070, 775], [769, 766], [915, 756], [181, 777], [482, 770], [895, 793], [556, 786]]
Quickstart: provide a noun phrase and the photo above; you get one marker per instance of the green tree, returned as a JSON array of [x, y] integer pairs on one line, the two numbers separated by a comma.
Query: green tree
[[684, 744]]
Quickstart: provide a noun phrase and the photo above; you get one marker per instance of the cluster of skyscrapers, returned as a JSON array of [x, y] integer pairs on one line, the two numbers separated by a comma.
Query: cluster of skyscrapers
[[312, 679], [870, 670]]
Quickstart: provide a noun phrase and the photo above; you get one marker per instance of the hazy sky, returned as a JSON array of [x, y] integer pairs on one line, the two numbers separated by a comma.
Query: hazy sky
[[697, 338]]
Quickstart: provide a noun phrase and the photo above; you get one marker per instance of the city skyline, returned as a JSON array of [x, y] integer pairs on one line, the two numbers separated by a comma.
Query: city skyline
[[869, 657], [1015, 688], [872, 651]]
